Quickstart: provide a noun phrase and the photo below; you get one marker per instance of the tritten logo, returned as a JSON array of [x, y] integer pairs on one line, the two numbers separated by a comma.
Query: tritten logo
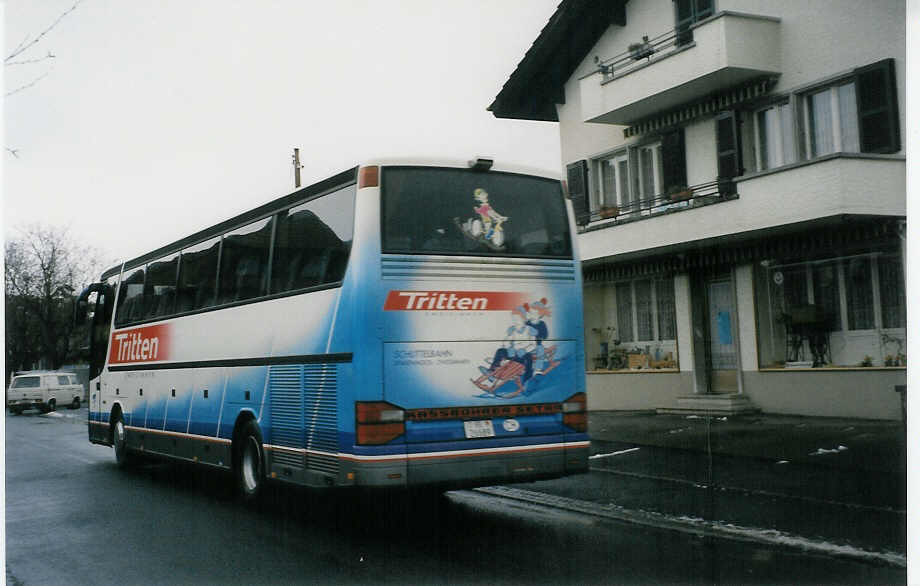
[[453, 301], [148, 344]]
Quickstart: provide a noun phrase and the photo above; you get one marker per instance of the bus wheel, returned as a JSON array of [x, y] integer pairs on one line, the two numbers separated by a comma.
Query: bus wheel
[[249, 464], [120, 441], [76, 403]]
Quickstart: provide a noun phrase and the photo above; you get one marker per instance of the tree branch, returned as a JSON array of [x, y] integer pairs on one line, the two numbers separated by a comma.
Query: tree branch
[[25, 47], [28, 85]]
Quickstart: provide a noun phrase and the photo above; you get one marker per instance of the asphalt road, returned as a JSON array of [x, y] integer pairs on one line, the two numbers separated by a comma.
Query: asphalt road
[[72, 517]]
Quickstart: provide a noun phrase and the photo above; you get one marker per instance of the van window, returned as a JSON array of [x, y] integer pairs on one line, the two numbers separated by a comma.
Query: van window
[[64, 380], [26, 382]]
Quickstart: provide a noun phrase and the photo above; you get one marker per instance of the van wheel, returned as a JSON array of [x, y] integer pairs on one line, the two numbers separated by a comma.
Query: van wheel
[[120, 441], [249, 461], [76, 403], [52, 405]]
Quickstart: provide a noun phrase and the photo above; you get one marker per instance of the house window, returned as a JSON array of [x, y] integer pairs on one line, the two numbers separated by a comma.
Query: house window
[[854, 305], [689, 12], [645, 310], [632, 324], [649, 171], [775, 136], [832, 120], [613, 182]]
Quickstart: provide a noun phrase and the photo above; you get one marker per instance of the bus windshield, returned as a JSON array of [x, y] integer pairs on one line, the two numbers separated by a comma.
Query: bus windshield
[[462, 212]]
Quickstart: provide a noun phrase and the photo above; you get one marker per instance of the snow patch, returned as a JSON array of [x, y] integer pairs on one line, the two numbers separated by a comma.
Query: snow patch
[[822, 451], [596, 456]]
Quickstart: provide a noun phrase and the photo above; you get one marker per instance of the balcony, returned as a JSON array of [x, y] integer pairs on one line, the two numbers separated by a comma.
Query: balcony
[[833, 186], [680, 67], [677, 200]]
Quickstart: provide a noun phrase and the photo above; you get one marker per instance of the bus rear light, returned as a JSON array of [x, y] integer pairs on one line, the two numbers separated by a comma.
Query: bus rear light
[[378, 422], [378, 412], [574, 412], [376, 434], [368, 177]]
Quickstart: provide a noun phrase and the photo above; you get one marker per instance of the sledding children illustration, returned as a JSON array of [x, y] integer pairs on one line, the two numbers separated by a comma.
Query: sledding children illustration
[[522, 356], [486, 226]]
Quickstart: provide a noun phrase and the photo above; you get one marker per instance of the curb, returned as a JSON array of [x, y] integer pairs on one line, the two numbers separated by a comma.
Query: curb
[[698, 527]]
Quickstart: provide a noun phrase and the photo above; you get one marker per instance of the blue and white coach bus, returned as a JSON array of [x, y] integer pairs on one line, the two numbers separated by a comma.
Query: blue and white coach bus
[[401, 324]]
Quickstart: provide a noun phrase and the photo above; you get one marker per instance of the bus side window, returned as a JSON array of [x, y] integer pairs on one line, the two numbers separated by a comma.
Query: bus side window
[[198, 276], [131, 298], [160, 287], [312, 242], [244, 260]]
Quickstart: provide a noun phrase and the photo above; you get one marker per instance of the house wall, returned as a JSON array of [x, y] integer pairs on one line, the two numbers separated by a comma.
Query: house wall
[[819, 40]]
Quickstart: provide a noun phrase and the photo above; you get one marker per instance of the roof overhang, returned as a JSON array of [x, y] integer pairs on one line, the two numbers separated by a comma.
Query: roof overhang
[[537, 84]]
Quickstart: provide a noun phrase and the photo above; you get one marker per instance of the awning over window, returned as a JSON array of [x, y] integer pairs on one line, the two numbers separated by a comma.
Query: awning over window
[[854, 236], [726, 100]]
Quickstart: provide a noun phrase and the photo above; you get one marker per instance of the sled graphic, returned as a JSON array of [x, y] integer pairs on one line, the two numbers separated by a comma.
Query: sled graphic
[[512, 370]]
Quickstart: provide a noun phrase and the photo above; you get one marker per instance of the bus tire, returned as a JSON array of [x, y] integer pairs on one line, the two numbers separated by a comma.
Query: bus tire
[[120, 440], [249, 461]]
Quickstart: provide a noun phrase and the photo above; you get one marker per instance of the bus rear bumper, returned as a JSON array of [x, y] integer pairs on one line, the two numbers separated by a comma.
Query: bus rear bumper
[[469, 468]]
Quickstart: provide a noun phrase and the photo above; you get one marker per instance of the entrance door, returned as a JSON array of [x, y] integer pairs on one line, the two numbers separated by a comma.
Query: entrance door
[[723, 355]]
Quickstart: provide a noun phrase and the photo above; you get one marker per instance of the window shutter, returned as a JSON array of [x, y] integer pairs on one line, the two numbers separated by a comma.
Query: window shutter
[[673, 160], [728, 145], [577, 176], [877, 108]]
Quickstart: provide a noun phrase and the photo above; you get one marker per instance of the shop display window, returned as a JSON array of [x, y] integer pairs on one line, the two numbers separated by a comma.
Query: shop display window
[[631, 325], [844, 311]]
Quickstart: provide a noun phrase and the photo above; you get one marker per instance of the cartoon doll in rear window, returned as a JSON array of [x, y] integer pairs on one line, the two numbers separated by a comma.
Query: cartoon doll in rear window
[[486, 226]]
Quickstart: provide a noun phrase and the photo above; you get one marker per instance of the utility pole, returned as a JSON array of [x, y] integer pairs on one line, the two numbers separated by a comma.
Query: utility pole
[[297, 168]]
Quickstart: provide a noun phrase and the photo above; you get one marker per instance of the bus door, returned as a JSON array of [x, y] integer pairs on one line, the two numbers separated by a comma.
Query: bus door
[[99, 328]]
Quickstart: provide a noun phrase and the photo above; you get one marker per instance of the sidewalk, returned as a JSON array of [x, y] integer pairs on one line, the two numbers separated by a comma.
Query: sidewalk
[[838, 482]]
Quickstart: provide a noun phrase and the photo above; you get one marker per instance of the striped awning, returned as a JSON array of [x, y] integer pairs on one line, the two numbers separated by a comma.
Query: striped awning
[[814, 242], [710, 105]]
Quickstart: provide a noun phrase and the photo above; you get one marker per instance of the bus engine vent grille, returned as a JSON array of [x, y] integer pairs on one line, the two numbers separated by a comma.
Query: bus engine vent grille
[[320, 387], [466, 268], [304, 415]]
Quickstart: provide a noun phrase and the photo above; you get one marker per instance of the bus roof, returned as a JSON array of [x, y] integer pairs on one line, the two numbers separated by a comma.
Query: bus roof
[[340, 179]]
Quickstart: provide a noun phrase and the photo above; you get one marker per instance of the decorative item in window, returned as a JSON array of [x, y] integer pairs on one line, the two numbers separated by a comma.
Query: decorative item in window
[[609, 212], [679, 192], [867, 361], [641, 50]]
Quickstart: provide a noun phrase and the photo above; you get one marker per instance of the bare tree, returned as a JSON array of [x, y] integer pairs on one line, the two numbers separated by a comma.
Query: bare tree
[[44, 271], [19, 57]]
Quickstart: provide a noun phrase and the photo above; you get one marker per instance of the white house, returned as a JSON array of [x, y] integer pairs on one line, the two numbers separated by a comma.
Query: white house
[[739, 175]]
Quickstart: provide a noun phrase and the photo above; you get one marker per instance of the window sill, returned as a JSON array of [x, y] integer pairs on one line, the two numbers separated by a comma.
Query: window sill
[[635, 371], [816, 160], [832, 369]]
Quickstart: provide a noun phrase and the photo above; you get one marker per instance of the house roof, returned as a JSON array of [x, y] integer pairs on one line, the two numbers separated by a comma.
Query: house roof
[[537, 85]]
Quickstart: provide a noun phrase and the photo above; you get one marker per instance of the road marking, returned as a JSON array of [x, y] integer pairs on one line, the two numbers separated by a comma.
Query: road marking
[[696, 526], [596, 456]]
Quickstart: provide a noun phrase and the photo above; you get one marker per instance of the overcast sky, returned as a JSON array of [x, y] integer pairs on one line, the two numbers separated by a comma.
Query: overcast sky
[[157, 119]]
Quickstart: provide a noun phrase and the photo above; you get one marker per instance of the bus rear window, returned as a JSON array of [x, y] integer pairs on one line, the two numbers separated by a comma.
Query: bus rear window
[[457, 211]]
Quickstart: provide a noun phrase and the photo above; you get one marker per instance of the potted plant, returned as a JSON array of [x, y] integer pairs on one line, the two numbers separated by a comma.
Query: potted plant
[[609, 212], [679, 192], [867, 361], [641, 50]]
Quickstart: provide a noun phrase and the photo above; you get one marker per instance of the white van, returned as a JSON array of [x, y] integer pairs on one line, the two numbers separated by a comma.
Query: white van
[[44, 391]]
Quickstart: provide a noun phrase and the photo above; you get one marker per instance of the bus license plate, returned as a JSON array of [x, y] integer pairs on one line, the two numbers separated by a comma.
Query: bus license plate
[[474, 429]]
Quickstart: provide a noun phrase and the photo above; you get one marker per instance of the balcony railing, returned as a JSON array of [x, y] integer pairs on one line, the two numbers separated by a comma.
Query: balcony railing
[[676, 199], [642, 52]]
